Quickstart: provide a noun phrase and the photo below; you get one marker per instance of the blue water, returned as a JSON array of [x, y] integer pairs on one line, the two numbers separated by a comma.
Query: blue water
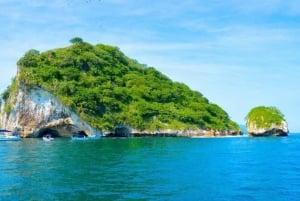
[[152, 169]]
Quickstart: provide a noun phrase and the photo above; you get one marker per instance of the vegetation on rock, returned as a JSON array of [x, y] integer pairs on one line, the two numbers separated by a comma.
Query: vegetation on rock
[[9, 96], [106, 88], [264, 117]]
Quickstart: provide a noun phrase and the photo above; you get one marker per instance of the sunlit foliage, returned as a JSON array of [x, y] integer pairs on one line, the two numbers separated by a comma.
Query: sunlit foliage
[[106, 88], [264, 117]]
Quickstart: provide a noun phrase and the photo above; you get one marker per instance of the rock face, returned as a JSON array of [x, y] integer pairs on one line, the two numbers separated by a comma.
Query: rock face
[[36, 112], [273, 130], [127, 131]]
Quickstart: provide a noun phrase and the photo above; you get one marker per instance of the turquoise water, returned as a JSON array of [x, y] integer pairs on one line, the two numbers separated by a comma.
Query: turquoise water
[[152, 169]]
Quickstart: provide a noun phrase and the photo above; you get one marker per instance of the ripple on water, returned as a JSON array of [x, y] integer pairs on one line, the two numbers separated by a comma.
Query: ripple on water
[[151, 169]]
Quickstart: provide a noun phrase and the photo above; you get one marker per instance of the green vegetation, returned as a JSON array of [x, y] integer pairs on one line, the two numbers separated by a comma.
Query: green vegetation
[[9, 96], [106, 88], [76, 40], [264, 117]]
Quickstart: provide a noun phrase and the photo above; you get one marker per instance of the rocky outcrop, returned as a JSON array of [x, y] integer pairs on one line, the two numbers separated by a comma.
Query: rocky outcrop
[[127, 131], [35, 112], [273, 130], [266, 121]]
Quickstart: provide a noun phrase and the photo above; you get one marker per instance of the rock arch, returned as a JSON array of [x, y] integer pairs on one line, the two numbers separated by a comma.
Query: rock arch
[[44, 131], [60, 131]]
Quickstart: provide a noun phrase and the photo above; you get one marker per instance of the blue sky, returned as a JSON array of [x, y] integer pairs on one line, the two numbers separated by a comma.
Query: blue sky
[[239, 54]]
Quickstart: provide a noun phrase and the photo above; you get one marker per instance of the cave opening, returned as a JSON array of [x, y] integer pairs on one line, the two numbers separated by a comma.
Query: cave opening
[[80, 134], [47, 131]]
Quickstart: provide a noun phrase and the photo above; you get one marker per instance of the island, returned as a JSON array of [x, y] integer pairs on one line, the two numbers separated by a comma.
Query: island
[[97, 90], [266, 121]]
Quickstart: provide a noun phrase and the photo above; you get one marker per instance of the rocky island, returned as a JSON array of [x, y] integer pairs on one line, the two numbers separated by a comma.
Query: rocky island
[[96, 89], [266, 121]]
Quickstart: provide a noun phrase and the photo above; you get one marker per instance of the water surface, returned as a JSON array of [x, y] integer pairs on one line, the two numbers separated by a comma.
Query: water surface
[[209, 169]]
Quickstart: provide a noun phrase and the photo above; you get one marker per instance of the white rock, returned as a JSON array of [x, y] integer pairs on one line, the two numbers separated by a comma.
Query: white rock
[[37, 109]]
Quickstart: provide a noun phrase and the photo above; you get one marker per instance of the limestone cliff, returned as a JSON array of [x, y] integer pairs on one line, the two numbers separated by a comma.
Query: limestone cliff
[[36, 112]]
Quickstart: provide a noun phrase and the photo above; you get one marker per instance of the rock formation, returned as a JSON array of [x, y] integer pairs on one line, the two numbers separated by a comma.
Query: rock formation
[[273, 130], [36, 112], [127, 131], [266, 121], [86, 87]]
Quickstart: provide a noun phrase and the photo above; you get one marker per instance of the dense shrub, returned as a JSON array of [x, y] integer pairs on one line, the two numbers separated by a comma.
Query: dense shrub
[[264, 117]]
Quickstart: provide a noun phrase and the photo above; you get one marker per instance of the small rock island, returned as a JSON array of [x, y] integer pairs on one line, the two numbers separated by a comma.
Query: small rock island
[[266, 121]]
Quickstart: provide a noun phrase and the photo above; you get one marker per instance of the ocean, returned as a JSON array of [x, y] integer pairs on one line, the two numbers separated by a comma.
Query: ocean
[[230, 168]]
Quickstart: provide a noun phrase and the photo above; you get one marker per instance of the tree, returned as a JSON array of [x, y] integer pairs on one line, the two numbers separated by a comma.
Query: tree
[[76, 40], [29, 59]]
